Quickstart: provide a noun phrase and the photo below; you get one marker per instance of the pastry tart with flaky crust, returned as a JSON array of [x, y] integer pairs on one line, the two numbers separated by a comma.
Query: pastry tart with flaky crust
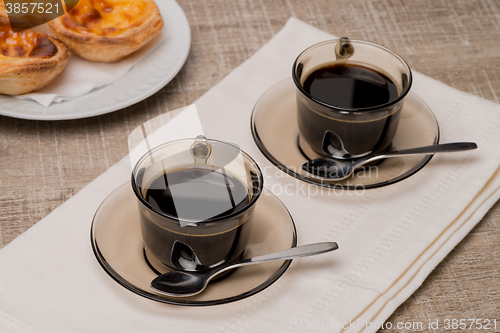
[[28, 60], [108, 30]]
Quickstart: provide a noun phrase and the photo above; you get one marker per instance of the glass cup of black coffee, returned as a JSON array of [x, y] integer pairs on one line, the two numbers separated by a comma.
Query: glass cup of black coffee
[[198, 191], [349, 98]]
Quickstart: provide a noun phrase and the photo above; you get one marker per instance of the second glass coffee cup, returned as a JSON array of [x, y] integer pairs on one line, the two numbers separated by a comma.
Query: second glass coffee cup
[[349, 98], [199, 192]]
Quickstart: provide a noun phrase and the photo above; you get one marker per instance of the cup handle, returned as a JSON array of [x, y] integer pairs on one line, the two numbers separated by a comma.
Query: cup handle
[[344, 49], [201, 150]]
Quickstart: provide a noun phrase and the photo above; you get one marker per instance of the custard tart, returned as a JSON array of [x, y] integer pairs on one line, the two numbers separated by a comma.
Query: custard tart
[[29, 60], [108, 30]]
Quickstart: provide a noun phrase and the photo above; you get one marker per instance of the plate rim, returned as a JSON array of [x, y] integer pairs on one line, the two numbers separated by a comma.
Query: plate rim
[[126, 103], [285, 169], [180, 301]]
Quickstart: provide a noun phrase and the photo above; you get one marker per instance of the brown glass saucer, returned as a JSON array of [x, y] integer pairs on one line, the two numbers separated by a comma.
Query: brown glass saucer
[[118, 246], [275, 131]]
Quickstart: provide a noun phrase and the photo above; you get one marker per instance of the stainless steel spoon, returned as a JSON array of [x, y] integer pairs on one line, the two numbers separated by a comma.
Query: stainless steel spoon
[[336, 169], [188, 283]]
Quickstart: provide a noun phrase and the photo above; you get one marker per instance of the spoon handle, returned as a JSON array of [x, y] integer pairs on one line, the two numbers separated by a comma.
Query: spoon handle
[[439, 148], [294, 252]]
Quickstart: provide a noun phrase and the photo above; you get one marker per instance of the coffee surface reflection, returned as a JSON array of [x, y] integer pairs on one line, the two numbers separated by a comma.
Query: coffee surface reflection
[[196, 193]]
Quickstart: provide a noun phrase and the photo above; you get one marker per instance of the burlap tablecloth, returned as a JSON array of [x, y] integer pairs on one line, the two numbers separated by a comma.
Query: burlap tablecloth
[[42, 164]]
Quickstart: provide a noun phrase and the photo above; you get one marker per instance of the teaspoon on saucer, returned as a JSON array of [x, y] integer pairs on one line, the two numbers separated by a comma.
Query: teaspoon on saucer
[[185, 283], [337, 169]]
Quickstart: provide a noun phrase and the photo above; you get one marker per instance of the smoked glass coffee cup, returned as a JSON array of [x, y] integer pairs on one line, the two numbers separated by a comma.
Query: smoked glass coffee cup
[[199, 192], [330, 128]]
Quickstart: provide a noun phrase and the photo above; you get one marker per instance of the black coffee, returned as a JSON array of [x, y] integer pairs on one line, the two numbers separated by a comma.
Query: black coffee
[[197, 194], [350, 86]]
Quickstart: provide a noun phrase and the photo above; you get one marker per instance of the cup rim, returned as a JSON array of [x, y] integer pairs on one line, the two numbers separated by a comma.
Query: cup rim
[[190, 222], [342, 110]]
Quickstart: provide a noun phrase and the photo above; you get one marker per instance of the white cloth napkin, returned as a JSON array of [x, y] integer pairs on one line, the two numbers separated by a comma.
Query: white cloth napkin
[[390, 238], [81, 76]]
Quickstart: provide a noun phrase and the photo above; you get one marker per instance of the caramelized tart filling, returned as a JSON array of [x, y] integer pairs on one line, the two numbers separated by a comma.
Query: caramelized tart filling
[[106, 17], [25, 43]]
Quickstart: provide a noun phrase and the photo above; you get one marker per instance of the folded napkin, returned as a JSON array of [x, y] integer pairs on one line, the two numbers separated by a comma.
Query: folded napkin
[[81, 76], [390, 238]]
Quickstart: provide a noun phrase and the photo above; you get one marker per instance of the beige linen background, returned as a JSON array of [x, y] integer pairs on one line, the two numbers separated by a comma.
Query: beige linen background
[[42, 164]]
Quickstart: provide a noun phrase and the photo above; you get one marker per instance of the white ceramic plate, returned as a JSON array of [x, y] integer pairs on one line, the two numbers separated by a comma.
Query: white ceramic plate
[[147, 77]]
